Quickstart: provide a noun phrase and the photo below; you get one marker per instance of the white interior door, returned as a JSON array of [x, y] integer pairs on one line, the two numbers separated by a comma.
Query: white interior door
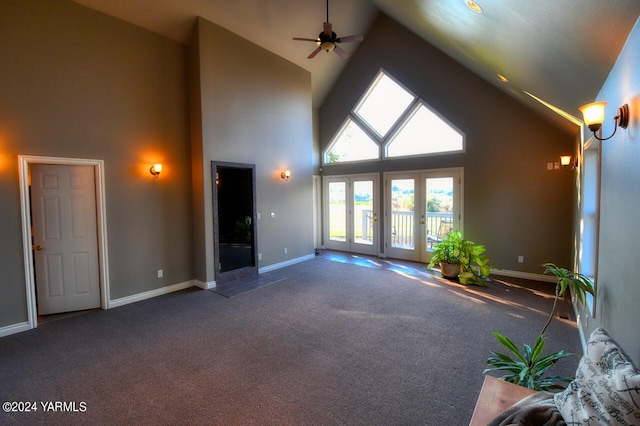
[[63, 201], [417, 206], [351, 213]]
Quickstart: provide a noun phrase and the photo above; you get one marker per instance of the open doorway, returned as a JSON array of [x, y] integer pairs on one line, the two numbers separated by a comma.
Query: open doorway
[[234, 213]]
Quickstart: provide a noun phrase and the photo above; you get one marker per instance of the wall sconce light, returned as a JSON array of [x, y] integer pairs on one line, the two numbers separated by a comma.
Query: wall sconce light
[[568, 162], [285, 175], [594, 117], [155, 170]]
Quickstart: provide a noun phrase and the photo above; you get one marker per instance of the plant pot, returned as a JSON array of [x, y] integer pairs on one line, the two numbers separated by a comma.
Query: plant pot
[[449, 270]]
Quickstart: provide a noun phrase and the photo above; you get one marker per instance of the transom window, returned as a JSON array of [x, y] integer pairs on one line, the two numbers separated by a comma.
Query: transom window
[[390, 116]]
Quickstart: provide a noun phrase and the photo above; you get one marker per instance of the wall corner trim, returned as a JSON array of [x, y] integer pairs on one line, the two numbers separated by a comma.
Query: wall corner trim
[[114, 303], [285, 264], [204, 285], [525, 275], [14, 328]]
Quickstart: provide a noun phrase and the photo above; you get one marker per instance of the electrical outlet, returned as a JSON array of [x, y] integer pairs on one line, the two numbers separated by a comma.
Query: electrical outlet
[[259, 256], [160, 273], [520, 259], [285, 250]]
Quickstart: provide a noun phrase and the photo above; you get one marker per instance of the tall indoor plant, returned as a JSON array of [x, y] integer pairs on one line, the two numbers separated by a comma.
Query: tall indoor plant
[[528, 367]]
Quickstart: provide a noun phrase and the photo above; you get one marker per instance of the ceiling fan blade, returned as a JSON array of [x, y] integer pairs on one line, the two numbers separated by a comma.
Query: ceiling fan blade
[[341, 52], [346, 39], [315, 40], [327, 29], [314, 53]]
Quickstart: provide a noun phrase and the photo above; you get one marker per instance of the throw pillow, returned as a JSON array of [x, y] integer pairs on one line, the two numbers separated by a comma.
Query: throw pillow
[[606, 389]]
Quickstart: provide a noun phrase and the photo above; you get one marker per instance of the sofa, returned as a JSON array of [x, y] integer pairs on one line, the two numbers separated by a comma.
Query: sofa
[[605, 391]]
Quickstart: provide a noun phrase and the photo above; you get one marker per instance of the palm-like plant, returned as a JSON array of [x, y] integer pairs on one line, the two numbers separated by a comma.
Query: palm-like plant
[[579, 284], [529, 366]]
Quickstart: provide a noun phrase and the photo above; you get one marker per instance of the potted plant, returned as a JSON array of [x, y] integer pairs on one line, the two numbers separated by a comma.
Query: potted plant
[[461, 258], [528, 367]]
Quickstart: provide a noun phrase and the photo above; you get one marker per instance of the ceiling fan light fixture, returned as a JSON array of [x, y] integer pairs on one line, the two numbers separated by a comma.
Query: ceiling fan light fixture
[[474, 6], [327, 46]]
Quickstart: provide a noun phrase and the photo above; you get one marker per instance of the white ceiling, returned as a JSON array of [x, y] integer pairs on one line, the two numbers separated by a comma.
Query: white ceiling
[[558, 50]]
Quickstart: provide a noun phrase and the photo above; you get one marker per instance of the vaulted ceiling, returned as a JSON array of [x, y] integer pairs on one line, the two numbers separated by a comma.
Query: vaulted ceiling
[[559, 51]]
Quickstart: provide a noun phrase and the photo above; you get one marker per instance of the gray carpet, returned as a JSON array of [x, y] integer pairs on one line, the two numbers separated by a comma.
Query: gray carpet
[[333, 344], [243, 285]]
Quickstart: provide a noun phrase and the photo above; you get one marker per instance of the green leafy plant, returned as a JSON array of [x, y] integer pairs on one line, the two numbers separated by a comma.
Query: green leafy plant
[[448, 250], [527, 367], [579, 284], [454, 249]]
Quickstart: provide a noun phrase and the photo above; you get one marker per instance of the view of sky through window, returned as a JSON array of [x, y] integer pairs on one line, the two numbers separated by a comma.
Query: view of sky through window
[[384, 104], [389, 115]]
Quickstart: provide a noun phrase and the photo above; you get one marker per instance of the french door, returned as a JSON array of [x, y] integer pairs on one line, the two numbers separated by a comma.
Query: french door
[[351, 210], [420, 208]]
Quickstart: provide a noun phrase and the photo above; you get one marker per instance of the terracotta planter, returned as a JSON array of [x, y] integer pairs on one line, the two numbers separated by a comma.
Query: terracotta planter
[[450, 270]]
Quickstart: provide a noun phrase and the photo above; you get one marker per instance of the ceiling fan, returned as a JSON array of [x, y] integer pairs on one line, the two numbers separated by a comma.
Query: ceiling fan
[[327, 40]]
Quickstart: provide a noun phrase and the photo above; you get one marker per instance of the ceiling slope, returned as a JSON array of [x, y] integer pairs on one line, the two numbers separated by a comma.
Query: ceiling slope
[[560, 51]]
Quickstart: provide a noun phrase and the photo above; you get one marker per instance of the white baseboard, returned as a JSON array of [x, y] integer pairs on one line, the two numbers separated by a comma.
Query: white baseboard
[[285, 264], [14, 328], [204, 285], [149, 294], [525, 275]]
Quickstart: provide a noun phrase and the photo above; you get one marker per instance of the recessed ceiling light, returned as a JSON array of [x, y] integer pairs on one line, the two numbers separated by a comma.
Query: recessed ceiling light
[[474, 6], [502, 78]]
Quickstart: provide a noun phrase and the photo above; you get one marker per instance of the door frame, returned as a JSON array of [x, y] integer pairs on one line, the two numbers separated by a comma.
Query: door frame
[[418, 254], [247, 271], [24, 161], [349, 245]]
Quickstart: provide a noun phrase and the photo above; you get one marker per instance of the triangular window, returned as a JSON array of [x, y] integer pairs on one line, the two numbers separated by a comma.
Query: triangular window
[[351, 143], [424, 132], [383, 104], [390, 116]]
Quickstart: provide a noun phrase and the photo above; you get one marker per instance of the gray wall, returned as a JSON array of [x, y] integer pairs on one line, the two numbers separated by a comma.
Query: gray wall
[[512, 203], [77, 83], [82, 84], [618, 289], [255, 108]]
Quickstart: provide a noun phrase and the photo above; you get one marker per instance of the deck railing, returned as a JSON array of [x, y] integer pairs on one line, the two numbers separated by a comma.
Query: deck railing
[[402, 224]]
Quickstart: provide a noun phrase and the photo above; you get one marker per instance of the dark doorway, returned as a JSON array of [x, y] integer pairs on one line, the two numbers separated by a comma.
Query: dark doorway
[[234, 220]]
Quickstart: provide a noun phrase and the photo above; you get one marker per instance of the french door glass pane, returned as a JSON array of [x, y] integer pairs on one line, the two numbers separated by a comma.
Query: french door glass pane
[[363, 218], [337, 211], [402, 208], [439, 209]]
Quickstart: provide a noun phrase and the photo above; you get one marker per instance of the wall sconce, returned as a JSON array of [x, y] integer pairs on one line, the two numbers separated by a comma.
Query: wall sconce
[[285, 175], [568, 162], [155, 170], [594, 117]]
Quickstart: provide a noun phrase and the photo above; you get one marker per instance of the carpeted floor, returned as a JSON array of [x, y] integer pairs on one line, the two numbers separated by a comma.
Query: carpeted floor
[[332, 344], [244, 285]]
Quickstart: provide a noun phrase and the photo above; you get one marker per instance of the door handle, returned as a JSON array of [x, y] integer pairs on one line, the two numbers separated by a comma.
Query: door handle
[[38, 247]]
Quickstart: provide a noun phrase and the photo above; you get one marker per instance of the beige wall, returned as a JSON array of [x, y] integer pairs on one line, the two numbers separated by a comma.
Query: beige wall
[[512, 203]]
